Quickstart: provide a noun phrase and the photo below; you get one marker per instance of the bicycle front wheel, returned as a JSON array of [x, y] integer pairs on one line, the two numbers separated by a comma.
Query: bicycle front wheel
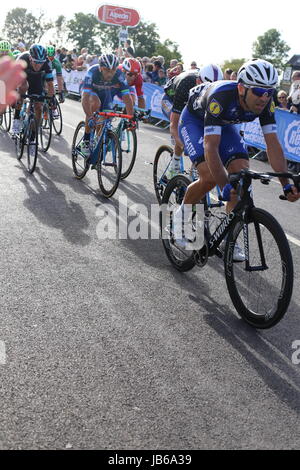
[[261, 286], [32, 144], [180, 258], [128, 142], [109, 166], [161, 164], [57, 121], [79, 160], [45, 128]]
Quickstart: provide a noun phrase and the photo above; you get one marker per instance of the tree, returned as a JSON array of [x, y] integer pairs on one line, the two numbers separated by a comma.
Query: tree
[[83, 31], [233, 64], [60, 30], [169, 50], [21, 24], [271, 47]]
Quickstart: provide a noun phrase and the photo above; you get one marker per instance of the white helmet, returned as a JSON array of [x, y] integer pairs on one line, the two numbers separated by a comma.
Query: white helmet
[[109, 61], [210, 73], [258, 72]]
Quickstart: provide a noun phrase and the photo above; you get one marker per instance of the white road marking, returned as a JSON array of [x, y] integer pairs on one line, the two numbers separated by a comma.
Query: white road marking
[[293, 239], [68, 125], [2, 353], [161, 138]]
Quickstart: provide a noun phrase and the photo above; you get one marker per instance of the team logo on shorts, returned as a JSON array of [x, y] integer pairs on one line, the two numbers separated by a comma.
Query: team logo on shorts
[[215, 108]]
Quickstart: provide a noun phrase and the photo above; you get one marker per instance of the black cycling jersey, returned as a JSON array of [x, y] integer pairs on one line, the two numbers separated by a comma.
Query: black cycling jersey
[[217, 104], [36, 79], [178, 89]]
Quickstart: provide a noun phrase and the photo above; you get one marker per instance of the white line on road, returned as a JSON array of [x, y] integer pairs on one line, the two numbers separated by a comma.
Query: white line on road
[[69, 125], [161, 138], [2, 353], [293, 240]]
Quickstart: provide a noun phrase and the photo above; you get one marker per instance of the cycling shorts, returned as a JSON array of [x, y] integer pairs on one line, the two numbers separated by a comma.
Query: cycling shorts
[[191, 132]]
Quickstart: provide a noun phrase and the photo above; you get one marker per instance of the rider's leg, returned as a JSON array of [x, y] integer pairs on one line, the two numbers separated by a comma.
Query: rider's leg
[[178, 148], [23, 88]]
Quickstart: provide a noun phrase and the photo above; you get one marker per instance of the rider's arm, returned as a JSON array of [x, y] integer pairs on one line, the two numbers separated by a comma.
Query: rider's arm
[[278, 162], [128, 103], [213, 160]]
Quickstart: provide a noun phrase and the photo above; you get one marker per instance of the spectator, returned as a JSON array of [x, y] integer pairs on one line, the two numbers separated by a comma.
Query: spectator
[[162, 79], [80, 64], [233, 75], [179, 68], [69, 63], [161, 59], [227, 74], [148, 72], [62, 55], [21, 46], [156, 68], [128, 49], [84, 51], [194, 66], [282, 99], [173, 63], [74, 54], [294, 94]]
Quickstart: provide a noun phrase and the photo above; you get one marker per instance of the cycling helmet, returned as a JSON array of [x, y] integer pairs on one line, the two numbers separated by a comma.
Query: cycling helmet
[[5, 46], [109, 61], [131, 65], [258, 72], [210, 73], [16, 53], [50, 51], [38, 53]]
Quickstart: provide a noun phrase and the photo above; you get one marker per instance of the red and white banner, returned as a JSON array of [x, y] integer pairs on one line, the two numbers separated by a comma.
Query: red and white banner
[[118, 16]]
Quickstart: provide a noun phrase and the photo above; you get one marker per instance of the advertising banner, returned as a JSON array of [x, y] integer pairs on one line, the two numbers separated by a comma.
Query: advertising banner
[[288, 131], [118, 16]]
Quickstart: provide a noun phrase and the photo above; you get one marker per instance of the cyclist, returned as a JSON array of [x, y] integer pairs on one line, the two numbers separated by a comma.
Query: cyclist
[[132, 69], [214, 143], [38, 70], [56, 65], [16, 54], [101, 83], [175, 98], [5, 49]]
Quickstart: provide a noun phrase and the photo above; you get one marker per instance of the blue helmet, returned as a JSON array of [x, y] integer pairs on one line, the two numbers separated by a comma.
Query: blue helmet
[[38, 53]]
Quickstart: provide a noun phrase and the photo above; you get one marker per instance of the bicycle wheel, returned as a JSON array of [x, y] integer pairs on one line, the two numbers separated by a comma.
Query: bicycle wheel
[[260, 288], [57, 121], [45, 128], [181, 259], [6, 122], [109, 166], [20, 141], [79, 161], [128, 142], [32, 144], [161, 164]]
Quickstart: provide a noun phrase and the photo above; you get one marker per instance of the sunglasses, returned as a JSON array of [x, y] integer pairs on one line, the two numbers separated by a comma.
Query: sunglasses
[[258, 91], [281, 97]]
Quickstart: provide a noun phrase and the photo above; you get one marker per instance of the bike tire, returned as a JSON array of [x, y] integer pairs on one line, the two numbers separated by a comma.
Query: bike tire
[[20, 144], [58, 122], [45, 128], [265, 304], [79, 163], [32, 158], [130, 166], [181, 260], [103, 165], [159, 186]]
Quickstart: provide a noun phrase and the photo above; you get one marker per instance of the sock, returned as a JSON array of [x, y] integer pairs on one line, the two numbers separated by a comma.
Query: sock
[[176, 162], [17, 114]]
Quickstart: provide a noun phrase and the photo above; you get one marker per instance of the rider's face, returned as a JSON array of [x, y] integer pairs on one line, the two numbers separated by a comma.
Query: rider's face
[[36, 67], [108, 73], [253, 103]]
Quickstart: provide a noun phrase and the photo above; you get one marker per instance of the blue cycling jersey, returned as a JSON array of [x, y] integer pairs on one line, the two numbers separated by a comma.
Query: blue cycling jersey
[[217, 104], [94, 84]]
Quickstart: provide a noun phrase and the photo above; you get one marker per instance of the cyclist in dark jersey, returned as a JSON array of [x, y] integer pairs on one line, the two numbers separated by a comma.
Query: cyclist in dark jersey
[[175, 98], [38, 70], [214, 143], [102, 82]]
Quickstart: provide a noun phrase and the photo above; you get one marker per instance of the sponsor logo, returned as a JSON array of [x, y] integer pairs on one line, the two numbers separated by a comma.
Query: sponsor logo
[[272, 107], [118, 15], [215, 108], [156, 102], [292, 138]]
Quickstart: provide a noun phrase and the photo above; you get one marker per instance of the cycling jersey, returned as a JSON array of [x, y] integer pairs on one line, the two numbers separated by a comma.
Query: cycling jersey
[[56, 65], [137, 86], [177, 89], [36, 79], [217, 104], [213, 109], [94, 84]]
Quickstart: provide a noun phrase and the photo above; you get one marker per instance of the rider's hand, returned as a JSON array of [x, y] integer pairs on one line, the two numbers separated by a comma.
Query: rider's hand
[[291, 193], [132, 123]]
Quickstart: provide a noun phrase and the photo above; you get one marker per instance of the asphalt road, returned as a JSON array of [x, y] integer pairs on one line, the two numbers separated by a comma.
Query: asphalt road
[[103, 345]]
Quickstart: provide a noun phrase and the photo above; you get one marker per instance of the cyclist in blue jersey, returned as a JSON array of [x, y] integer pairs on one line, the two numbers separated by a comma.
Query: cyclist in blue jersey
[[102, 82], [214, 144]]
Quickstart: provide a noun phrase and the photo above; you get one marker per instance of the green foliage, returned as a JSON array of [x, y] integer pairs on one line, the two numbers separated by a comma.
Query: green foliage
[[271, 47], [83, 31], [169, 50], [233, 64], [21, 24]]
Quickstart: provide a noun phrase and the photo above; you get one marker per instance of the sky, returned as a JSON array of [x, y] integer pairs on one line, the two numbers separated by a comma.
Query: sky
[[207, 31]]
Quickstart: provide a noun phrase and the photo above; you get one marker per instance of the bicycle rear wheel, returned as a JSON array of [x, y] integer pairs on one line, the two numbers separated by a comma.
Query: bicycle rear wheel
[[57, 120], [128, 142], [109, 166], [32, 144], [79, 161], [181, 259], [45, 128], [161, 164], [260, 288]]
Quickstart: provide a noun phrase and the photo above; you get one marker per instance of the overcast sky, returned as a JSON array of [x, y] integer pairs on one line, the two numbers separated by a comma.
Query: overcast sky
[[206, 31]]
